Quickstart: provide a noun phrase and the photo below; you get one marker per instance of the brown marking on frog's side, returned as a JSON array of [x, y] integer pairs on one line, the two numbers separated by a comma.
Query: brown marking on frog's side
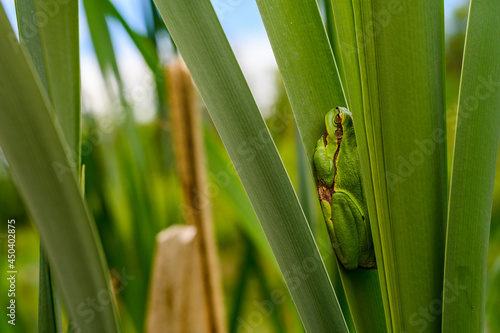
[[325, 193], [338, 134], [324, 136]]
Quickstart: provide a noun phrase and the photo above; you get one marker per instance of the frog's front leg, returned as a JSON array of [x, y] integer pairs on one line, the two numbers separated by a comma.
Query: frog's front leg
[[323, 162]]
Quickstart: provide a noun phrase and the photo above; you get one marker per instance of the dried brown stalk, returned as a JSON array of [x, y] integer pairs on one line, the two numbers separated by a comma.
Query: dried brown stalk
[[190, 157]]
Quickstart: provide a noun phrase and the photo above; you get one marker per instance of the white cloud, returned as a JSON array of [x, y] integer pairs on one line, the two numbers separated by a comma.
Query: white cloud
[[259, 67], [138, 85]]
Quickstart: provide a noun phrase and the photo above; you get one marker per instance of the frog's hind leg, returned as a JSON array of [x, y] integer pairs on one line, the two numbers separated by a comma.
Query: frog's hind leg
[[345, 217], [343, 205]]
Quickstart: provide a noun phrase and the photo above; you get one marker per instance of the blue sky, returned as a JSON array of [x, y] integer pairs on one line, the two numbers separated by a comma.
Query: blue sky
[[242, 18], [239, 21], [244, 29]]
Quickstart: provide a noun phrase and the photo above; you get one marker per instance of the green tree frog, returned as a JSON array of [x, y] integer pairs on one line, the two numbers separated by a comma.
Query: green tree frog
[[340, 189]]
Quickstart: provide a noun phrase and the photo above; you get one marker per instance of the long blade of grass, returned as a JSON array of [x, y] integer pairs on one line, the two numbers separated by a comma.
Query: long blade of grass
[[313, 85], [473, 173], [206, 51], [400, 53], [348, 33], [49, 32], [35, 149], [49, 310]]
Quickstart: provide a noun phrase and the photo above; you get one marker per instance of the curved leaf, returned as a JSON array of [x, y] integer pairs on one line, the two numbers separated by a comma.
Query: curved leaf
[[198, 35]]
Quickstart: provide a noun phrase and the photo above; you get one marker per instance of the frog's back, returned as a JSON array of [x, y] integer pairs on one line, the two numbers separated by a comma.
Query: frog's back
[[348, 167]]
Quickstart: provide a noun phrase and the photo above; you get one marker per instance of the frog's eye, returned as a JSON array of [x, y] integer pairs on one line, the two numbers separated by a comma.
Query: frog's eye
[[338, 119]]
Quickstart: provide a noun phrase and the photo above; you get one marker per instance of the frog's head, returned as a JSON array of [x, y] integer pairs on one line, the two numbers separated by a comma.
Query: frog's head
[[337, 121]]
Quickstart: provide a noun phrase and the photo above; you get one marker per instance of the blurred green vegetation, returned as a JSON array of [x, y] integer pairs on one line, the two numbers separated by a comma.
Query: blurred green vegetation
[[132, 187]]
